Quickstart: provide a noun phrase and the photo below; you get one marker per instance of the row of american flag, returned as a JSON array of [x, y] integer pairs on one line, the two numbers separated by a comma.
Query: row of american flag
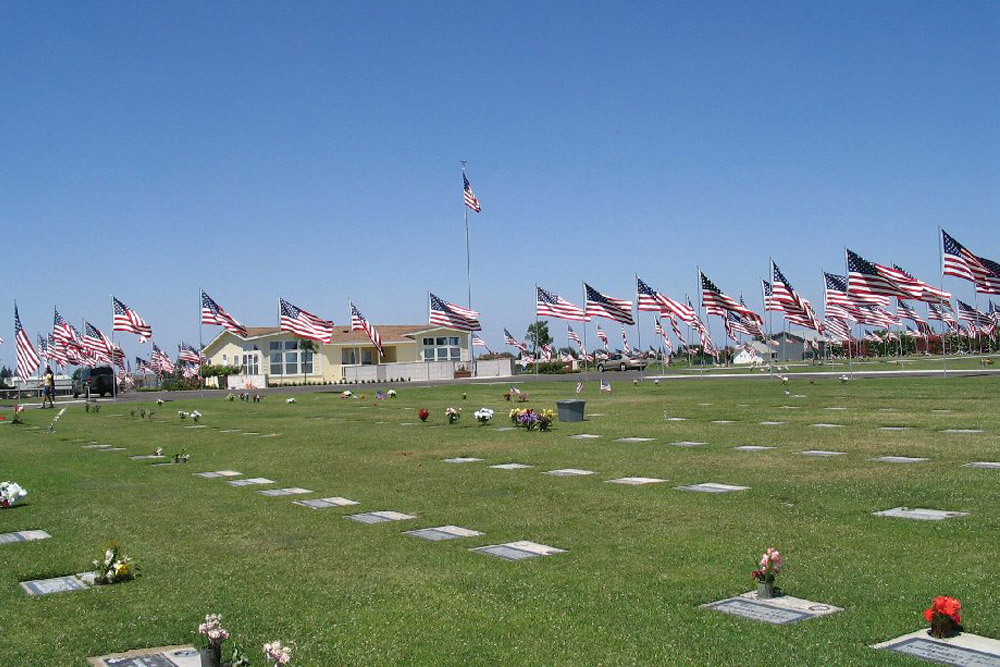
[[862, 296]]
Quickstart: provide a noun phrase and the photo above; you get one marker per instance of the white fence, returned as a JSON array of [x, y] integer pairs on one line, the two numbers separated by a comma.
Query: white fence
[[428, 370]]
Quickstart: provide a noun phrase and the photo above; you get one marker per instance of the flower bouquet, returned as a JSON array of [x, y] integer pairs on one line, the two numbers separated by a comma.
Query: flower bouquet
[[484, 416], [945, 617], [770, 567], [452, 414], [347, 393], [212, 630], [545, 419], [114, 567], [423, 414], [528, 418], [277, 653], [290, 400], [10, 494], [391, 393], [183, 414], [196, 416]]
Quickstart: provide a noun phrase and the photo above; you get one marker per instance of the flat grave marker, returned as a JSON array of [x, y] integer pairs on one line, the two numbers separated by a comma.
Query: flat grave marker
[[781, 610], [899, 459], [146, 457], [752, 448], [569, 472], [895, 428], [462, 459], [635, 481], [942, 410], [324, 503], [520, 550], [834, 408], [687, 443], [820, 452], [379, 517], [585, 436], [269, 435], [635, 439], [442, 533], [962, 430], [723, 421], [23, 536], [94, 446], [790, 407], [250, 481], [65, 584], [218, 473], [505, 428], [235, 430], [825, 425], [250, 433], [165, 656], [676, 419], [512, 466], [289, 491], [988, 465], [195, 426], [596, 414], [771, 423], [112, 449], [963, 649], [920, 514], [712, 487]]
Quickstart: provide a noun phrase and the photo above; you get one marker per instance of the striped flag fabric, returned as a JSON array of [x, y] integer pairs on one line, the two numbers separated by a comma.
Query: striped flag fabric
[[910, 333], [479, 342], [548, 304], [573, 336], [452, 316], [771, 305], [586, 356], [797, 309], [546, 352], [737, 324], [579, 386], [837, 303], [942, 313], [866, 283], [162, 360], [906, 312], [705, 336], [625, 346], [508, 339], [717, 303], [961, 262], [188, 354], [601, 305], [972, 315], [28, 360], [96, 343], [127, 320], [920, 290], [359, 323], [876, 316], [873, 337], [652, 300], [659, 331], [602, 336], [605, 386], [143, 366], [677, 330], [837, 329], [470, 197], [302, 323], [213, 313], [994, 314]]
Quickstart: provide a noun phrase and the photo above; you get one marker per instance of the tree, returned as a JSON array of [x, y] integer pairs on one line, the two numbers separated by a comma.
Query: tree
[[5, 375], [306, 345], [538, 335]]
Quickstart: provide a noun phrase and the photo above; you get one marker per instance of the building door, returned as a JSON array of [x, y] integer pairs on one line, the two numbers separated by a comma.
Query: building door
[[251, 363]]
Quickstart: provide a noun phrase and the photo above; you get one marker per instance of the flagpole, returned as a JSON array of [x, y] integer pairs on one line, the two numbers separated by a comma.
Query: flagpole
[[707, 326], [114, 381], [638, 327], [944, 334], [534, 351], [201, 346]]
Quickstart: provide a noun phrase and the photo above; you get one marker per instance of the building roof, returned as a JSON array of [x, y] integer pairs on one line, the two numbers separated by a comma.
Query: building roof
[[391, 333]]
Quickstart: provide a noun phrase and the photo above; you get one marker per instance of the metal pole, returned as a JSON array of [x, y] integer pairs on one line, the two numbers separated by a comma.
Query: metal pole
[[638, 327], [201, 346]]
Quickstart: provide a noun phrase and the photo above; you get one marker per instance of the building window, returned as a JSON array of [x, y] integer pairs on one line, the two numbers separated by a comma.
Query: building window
[[251, 364], [347, 357], [285, 358], [443, 348]]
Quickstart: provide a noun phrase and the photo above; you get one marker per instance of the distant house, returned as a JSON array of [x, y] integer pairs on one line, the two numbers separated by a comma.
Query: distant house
[[798, 345], [753, 353], [269, 356]]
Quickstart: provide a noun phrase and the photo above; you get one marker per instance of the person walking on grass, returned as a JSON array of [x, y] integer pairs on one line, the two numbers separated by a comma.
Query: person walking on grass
[[48, 387]]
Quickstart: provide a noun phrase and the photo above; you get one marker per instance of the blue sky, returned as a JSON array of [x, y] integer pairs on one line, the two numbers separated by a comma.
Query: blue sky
[[311, 150]]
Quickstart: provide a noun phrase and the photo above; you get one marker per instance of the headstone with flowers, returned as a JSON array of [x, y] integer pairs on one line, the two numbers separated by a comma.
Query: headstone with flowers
[[945, 641]]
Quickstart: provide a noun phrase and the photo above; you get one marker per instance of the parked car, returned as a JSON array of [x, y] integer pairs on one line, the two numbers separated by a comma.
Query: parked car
[[100, 379], [622, 363]]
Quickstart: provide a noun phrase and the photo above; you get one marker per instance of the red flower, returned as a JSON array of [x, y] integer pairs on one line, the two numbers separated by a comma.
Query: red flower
[[944, 606], [423, 414]]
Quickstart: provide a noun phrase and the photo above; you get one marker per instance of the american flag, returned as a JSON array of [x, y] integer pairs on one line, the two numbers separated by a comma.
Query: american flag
[[470, 197], [27, 359], [797, 309], [454, 317], [960, 262], [548, 304], [910, 333], [359, 323], [213, 313], [61, 329], [589, 358], [126, 319], [906, 312], [942, 313], [705, 336], [600, 305], [994, 313], [546, 352], [920, 290], [771, 304], [189, 372], [143, 366], [677, 330], [566, 358], [303, 323], [479, 342], [605, 386], [188, 354], [513, 342], [602, 336], [837, 303], [737, 324], [117, 356], [717, 303], [873, 337], [96, 343], [579, 386], [838, 329], [57, 352], [625, 345], [865, 283], [972, 315], [161, 360], [658, 329], [650, 299], [876, 316], [573, 336]]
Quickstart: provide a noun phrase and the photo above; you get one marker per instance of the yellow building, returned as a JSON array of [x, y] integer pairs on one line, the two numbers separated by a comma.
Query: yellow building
[[269, 356]]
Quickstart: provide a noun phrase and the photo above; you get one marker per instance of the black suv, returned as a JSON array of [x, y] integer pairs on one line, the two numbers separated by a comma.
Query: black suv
[[100, 379]]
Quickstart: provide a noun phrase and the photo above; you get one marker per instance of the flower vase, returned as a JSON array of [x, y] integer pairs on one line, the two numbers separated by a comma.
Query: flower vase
[[944, 626], [211, 655], [765, 590]]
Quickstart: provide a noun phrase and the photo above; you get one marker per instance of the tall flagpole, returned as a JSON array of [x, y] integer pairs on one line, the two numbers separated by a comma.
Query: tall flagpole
[[944, 334], [638, 326], [700, 300], [201, 346], [468, 270]]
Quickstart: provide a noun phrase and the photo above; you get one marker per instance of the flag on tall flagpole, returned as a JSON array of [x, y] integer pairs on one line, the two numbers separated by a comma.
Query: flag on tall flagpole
[[548, 304], [27, 358], [188, 354], [865, 282], [625, 346], [127, 320], [601, 305], [717, 303], [452, 316], [605, 386], [470, 197], [213, 313], [658, 330], [573, 336], [359, 323], [651, 300], [479, 342], [961, 262], [602, 336], [302, 323], [96, 343], [508, 339]]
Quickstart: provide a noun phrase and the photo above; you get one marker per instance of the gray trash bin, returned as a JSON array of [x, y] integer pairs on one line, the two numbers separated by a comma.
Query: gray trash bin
[[571, 410]]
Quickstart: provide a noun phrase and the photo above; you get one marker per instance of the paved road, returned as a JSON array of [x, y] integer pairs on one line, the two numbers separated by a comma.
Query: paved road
[[613, 377]]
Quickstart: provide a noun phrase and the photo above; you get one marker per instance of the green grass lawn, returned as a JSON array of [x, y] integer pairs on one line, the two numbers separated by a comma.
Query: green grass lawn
[[640, 560]]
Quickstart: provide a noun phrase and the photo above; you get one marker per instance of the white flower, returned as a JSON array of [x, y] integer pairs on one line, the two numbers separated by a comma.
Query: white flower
[[290, 400]]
